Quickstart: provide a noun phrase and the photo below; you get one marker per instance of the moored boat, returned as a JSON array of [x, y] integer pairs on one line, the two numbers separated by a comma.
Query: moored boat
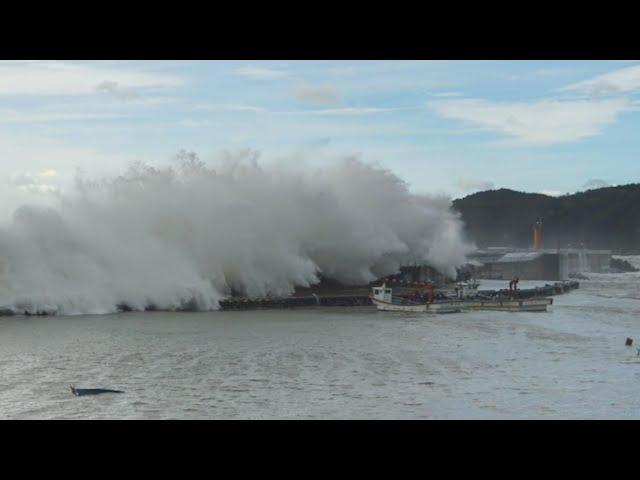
[[382, 297], [512, 300], [509, 305]]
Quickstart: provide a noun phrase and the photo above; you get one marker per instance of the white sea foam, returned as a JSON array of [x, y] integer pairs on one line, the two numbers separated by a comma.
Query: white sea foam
[[195, 232]]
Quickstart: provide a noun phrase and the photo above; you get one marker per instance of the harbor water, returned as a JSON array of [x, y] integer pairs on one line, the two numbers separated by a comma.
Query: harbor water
[[334, 363]]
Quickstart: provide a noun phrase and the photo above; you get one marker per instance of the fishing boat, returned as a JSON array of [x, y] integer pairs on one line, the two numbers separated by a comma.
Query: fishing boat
[[470, 298], [382, 297]]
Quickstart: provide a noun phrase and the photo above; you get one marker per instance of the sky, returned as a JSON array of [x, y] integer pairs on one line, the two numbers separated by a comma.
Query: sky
[[444, 127]]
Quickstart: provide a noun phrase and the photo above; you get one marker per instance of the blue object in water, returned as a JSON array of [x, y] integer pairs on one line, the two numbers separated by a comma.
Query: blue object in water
[[78, 392]]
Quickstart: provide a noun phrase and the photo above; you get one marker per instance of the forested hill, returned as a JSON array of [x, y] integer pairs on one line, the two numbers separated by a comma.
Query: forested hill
[[607, 218]]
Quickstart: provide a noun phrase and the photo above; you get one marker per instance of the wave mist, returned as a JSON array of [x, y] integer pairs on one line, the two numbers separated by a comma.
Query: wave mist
[[195, 233]]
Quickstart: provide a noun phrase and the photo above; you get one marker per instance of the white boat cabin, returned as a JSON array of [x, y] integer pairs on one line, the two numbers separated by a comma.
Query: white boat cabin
[[467, 289], [382, 293]]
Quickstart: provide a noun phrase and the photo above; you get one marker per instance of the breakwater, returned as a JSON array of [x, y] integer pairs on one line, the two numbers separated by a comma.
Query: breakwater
[[358, 298], [245, 303]]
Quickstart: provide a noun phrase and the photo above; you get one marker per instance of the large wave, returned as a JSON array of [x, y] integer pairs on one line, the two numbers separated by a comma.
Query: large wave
[[195, 232]]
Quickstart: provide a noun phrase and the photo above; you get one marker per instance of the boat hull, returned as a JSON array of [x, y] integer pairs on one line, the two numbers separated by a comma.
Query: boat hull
[[525, 305], [418, 308]]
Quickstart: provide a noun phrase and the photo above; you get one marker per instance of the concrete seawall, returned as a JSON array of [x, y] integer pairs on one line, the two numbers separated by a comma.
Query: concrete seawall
[[356, 299], [246, 303], [359, 300]]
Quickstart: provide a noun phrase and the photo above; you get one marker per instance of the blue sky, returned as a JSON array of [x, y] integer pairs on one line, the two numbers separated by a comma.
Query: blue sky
[[444, 127]]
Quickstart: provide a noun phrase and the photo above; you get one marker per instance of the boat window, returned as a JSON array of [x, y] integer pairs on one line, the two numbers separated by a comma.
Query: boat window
[[376, 291], [388, 290]]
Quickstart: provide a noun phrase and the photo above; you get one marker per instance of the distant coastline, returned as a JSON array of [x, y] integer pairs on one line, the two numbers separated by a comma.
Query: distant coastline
[[603, 218]]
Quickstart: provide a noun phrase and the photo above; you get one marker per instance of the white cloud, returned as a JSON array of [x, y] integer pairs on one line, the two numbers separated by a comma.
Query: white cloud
[[543, 122], [50, 172], [624, 80], [321, 142], [113, 89], [240, 138], [150, 101], [552, 72], [595, 183], [233, 107], [28, 182], [552, 193], [316, 94], [343, 70], [342, 111], [470, 184], [197, 123], [17, 117], [48, 155], [447, 94], [64, 78], [244, 108], [353, 111], [256, 73]]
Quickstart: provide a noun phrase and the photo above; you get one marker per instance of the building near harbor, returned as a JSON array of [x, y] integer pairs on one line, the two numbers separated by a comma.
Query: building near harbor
[[560, 264], [538, 263]]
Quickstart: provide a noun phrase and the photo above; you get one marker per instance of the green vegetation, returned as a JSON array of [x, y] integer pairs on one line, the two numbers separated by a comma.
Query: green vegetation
[[603, 218]]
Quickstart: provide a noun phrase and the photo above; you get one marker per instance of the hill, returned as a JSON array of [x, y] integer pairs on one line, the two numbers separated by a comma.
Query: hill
[[603, 218]]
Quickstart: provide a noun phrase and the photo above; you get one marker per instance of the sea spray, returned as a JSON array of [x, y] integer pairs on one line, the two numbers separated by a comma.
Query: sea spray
[[193, 233]]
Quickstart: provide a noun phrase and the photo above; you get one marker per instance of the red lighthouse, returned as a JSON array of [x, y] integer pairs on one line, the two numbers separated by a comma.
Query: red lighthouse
[[537, 235]]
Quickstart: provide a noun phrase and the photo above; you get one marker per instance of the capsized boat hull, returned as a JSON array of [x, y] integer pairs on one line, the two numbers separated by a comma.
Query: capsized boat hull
[[79, 392], [515, 305], [443, 307]]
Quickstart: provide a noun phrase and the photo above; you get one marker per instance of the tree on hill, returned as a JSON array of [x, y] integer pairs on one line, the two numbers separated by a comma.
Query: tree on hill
[[606, 218]]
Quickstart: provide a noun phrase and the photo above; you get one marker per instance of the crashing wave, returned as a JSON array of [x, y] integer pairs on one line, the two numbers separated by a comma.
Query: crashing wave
[[187, 235]]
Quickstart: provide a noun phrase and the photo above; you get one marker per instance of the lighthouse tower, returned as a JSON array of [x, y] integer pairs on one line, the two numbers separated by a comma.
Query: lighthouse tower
[[537, 235]]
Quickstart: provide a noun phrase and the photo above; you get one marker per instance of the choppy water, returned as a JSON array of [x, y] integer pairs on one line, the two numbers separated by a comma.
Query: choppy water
[[333, 363]]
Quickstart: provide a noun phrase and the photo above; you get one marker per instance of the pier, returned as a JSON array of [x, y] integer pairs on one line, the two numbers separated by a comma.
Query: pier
[[362, 299]]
